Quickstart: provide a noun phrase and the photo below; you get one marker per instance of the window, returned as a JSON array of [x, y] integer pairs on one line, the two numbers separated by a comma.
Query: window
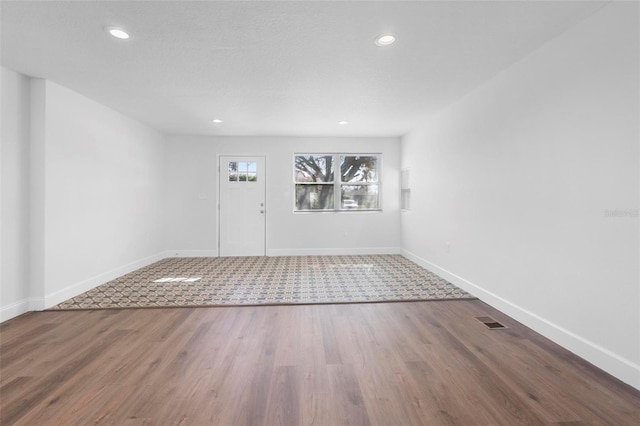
[[242, 171], [319, 188]]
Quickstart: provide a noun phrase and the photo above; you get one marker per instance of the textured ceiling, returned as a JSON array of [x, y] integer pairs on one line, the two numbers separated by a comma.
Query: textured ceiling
[[278, 68]]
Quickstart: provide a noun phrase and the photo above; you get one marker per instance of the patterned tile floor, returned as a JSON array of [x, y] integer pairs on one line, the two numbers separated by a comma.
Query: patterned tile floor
[[210, 281]]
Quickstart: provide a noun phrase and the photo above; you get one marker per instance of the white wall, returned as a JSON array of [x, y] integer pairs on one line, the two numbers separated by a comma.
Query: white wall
[[14, 194], [104, 190], [89, 194], [82, 194], [521, 178], [191, 166]]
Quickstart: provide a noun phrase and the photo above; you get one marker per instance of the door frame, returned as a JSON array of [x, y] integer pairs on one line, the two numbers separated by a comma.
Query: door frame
[[218, 207]]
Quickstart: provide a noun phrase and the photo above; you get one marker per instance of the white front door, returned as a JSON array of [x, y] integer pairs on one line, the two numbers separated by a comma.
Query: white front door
[[242, 206]]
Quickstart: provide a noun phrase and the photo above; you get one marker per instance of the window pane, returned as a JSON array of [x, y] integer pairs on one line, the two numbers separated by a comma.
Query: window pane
[[314, 168], [243, 171], [359, 197], [355, 168], [233, 171], [314, 197], [252, 174]]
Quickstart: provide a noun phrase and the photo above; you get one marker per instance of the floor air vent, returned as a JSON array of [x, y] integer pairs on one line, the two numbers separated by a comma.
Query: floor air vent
[[490, 323]]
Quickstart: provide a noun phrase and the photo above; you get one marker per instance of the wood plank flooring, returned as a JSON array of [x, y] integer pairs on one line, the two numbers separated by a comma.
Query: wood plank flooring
[[409, 363]]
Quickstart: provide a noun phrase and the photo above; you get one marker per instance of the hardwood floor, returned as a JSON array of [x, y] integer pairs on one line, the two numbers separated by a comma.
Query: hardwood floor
[[420, 363]]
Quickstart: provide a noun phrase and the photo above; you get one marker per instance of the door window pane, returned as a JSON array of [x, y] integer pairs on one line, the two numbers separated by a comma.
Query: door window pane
[[252, 171], [233, 171], [242, 171]]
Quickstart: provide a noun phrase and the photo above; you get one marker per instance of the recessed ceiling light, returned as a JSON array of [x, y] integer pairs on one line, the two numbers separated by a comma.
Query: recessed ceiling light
[[117, 32], [385, 39], [343, 122], [217, 120]]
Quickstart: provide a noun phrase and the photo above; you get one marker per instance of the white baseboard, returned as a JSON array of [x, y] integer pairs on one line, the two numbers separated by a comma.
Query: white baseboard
[[86, 285], [191, 253], [332, 251], [36, 304], [619, 367], [292, 252], [14, 309]]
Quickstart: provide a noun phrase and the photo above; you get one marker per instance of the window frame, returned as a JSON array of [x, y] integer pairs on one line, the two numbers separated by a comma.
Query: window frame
[[337, 181]]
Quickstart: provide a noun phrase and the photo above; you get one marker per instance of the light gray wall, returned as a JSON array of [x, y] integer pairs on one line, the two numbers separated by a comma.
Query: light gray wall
[[82, 194], [14, 194], [533, 181], [104, 193], [191, 205]]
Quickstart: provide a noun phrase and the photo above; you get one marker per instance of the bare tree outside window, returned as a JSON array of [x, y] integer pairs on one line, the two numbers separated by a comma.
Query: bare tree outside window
[[359, 182], [317, 184], [314, 182]]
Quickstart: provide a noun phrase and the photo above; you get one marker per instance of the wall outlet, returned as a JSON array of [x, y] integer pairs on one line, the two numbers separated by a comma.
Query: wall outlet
[[447, 247]]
